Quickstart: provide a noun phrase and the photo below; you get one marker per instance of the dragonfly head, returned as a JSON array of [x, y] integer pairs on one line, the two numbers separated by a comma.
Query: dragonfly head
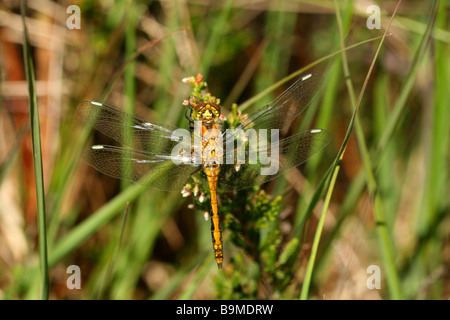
[[207, 111]]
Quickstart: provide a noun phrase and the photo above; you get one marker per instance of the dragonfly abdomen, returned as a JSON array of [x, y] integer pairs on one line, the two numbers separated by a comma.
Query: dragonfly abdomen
[[212, 174]]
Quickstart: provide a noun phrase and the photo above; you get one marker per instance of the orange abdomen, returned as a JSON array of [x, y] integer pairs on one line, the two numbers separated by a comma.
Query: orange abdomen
[[212, 173]]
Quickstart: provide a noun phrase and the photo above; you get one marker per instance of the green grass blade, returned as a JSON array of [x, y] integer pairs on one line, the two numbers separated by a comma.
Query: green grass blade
[[278, 28], [73, 158], [37, 158], [388, 257], [178, 278], [439, 134], [200, 275], [436, 183], [220, 28], [89, 226], [386, 246], [245, 105], [380, 157], [129, 80], [315, 246], [395, 117], [151, 215], [4, 169]]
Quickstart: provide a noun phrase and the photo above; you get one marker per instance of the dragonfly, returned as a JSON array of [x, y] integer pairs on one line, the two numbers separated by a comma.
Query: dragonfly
[[146, 155]]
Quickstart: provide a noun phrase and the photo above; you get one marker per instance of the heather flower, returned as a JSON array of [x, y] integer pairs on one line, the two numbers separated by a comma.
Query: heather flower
[[198, 78], [186, 191], [196, 190], [188, 80]]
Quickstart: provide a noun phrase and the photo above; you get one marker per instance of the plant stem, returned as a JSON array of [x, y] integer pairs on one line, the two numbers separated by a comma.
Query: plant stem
[[37, 158]]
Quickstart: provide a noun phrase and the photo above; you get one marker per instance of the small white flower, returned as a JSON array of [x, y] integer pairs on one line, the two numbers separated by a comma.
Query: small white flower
[[191, 206], [237, 166], [201, 198], [206, 215], [187, 80], [195, 190], [186, 191]]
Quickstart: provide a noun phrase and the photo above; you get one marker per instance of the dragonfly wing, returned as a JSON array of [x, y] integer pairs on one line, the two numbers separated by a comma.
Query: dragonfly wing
[[285, 108], [137, 133], [153, 170], [292, 151]]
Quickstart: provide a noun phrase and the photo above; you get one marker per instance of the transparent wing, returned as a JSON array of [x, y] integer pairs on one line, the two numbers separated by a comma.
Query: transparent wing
[[286, 107], [152, 170], [292, 151], [149, 160], [137, 133]]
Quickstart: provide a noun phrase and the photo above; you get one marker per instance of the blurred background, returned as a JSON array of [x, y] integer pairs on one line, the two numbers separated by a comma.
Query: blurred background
[[134, 54]]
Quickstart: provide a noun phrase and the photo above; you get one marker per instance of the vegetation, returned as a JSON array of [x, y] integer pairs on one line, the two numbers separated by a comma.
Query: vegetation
[[377, 195]]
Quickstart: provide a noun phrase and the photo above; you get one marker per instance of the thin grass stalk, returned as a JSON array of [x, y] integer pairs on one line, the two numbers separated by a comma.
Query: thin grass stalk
[[301, 221], [99, 218], [304, 209], [404, 94], [215, 37], [336, 166], [395, 116], [315, 246], [245, 105], [129, 83], [436, 167], [246, 75], [201, 273], [152, 214], [86, 133], [89, 226], [436, 187], [112, 262], [278, 28], [386, 242], [71, 157], [13, 154], [120, 71], [37, 158], [176, 281]]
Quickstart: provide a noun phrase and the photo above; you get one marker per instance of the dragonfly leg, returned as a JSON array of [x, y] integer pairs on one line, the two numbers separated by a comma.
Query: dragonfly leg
[[191, 121]]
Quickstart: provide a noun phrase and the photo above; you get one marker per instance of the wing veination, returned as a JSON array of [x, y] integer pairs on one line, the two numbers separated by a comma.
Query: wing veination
[[284, 155], [129, 130], [285, 108], [153, 170], [150, 158]]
